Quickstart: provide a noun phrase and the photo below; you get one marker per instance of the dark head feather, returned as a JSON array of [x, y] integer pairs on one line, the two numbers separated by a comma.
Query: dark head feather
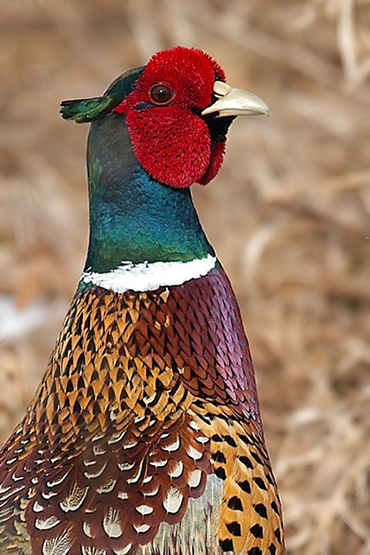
[[88, 109]]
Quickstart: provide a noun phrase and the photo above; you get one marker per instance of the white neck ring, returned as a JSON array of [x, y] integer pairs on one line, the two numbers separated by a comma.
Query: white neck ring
[[148, 276]]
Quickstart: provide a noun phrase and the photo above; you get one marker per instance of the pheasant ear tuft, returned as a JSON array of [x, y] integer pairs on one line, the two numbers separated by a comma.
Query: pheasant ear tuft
[[86, 109]]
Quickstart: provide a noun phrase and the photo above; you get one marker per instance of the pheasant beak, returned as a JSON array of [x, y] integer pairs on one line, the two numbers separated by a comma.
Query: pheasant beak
[[235, 102]]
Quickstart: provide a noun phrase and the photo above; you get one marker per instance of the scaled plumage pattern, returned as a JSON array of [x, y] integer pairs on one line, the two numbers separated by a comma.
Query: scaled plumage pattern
[[145, 437]]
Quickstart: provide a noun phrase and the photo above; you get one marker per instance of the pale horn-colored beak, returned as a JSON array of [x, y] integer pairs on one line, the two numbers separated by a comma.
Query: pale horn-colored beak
[[235, 102]]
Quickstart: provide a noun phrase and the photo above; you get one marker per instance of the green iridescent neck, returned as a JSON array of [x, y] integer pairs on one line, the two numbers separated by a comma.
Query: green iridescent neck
[[132, 217]]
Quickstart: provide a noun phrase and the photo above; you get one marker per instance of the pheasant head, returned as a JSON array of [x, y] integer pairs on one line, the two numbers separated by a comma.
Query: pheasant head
[[178, 110]]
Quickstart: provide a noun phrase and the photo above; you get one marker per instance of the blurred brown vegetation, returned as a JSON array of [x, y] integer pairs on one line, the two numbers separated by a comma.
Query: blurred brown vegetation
[[288, 215]]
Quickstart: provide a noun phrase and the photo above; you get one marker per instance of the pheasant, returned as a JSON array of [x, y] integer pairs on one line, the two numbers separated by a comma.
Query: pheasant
[[145, 435]]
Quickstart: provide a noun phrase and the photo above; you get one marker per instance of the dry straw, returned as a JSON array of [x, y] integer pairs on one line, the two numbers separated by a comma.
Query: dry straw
[[289, 216]]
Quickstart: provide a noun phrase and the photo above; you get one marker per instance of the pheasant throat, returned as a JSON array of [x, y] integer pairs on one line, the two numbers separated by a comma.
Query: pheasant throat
[[148, 276]]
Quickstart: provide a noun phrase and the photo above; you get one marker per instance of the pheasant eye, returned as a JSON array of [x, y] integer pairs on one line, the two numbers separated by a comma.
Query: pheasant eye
[[161, 94]]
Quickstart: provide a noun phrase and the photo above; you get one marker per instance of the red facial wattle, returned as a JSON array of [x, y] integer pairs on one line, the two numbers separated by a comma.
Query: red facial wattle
[[170, 139]]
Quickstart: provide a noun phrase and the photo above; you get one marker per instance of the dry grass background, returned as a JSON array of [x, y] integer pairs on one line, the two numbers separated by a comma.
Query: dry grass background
[[289, 216]]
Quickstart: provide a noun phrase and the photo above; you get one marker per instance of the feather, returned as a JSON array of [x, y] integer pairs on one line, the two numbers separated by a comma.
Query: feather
[[87, 109]]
